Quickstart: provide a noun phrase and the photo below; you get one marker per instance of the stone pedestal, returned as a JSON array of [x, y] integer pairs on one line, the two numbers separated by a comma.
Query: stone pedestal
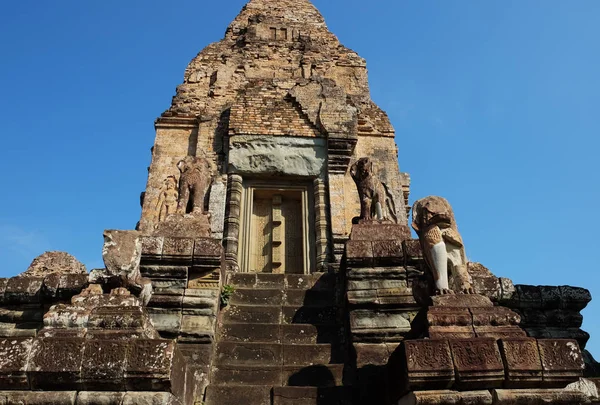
[[470, 316], [379, 283], [194, 225]]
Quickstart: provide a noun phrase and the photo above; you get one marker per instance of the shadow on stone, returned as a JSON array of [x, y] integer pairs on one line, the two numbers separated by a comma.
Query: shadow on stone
[[312, 376], [322, 383]]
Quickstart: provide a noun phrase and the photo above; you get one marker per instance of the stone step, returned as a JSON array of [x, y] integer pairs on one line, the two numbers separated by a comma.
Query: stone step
[[287, 314], [275, 333], [252, 314], [272, 296], [238, 394], [315, 281], [312, 395], [316, 315], [273, 354], [305, 376]]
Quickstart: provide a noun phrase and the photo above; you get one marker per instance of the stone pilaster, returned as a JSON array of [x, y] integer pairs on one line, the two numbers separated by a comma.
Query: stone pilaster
[[232, 221]]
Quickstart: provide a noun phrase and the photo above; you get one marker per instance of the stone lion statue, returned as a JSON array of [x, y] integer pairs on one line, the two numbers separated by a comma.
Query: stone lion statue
[[195, 180], [443, 248], [375, 200]]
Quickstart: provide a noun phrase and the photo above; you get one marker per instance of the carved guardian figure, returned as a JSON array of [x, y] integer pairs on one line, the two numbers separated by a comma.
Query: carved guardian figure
[[375, 200], [196, 178], [168, 199], [433, 220]]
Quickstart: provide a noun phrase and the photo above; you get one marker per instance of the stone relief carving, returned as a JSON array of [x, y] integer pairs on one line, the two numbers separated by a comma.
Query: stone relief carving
[[376, 203], [433, 220], [196, 177], [168, 199]]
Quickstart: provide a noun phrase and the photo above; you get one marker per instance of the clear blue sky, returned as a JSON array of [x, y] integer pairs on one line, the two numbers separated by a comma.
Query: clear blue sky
[[495, 103]]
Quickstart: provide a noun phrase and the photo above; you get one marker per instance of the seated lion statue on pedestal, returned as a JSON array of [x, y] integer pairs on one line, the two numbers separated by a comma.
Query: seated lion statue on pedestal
[[443, 248]]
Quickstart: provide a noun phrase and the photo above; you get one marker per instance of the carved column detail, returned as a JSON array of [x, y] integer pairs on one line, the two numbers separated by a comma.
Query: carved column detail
[[321, 225], [232, 221]]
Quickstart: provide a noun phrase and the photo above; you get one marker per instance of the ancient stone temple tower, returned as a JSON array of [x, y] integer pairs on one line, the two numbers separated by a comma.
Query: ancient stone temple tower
[[273, 263]]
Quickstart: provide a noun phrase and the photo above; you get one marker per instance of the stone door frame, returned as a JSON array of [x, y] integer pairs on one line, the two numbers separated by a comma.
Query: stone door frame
[[319, 226], [308, 227]]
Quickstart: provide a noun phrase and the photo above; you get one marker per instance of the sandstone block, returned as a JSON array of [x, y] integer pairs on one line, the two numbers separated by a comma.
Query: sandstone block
[[148, 366], [248, 354], [55, 363], [575, 298], [522, 361], [157, 272], [207, 248], [380, 232], [38, 398], [178, 249], [122, 251], [462, 301], [196, 328], [306, 355], [166, 320], [23, 290], [14, 356], [235, 395], [478, 363], [538, 397], [429, 364], [447, 398], [380, 325], [152, 247], [529, 296], [359, 252], [103, 365], [307, 314], [247, 314], [412, 251], [562, 362], [248, 375], [305, 334]]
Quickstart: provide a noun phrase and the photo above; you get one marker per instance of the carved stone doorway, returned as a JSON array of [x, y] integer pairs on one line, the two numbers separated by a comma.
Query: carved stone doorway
[[276, 235]]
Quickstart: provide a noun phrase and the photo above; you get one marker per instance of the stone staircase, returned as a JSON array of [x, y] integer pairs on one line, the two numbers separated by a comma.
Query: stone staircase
[[279, 342]]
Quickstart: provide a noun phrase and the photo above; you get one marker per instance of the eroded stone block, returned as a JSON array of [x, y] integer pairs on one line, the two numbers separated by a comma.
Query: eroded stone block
[[447, 398], [14, 355], [197, 328], [522, 361], [38, 398], [538, 397], [562, 362], [477, 363], [103, 365], [23, 290], [149, 365], [55, 363], [429, 364], [179, 249]]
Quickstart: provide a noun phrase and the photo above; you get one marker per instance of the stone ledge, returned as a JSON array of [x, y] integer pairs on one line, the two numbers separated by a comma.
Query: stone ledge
[[35, 290], [87, 398], [480, 363], [181, 250], [495, 397]]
